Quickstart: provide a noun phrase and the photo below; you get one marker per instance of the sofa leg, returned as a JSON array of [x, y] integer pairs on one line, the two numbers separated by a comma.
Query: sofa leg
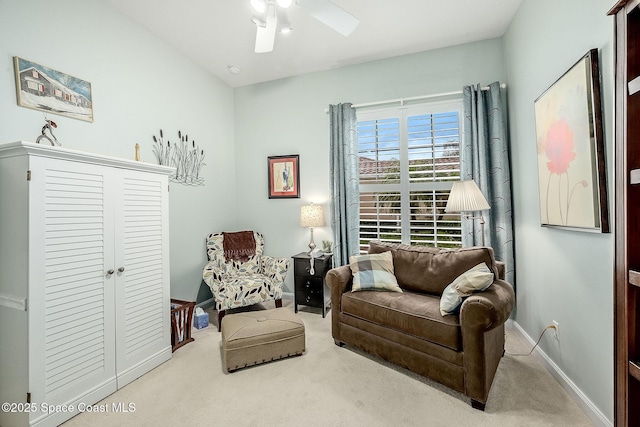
[[221, 314], [279, 303], [477, 405], [338, 343]]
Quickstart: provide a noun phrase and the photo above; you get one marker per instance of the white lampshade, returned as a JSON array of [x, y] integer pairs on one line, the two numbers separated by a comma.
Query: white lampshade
[[311, 216], [465, 196]]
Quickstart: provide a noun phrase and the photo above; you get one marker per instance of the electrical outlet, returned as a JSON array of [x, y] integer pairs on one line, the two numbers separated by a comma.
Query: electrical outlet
[[556, 331]]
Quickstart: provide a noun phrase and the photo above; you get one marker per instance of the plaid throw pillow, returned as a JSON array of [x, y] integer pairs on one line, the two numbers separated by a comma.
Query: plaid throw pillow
[[373, 272]]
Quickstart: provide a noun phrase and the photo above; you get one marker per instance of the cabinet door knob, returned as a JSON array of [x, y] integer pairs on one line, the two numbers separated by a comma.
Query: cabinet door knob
[[110, 272], [121, 269]]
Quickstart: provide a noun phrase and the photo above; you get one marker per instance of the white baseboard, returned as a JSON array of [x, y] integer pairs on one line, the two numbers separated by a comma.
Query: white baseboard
[[594, 414], [139, 369]]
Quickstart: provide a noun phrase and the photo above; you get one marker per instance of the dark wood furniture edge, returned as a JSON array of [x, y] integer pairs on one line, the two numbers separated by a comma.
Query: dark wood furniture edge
[[620, 279], [634, 369], [622, 3], [626, 372]]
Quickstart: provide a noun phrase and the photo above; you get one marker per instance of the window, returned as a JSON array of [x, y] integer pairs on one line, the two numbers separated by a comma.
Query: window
[[409, 156]]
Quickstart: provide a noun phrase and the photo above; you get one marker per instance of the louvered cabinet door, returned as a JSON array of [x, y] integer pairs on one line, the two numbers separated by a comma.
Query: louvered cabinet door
[[84, 292], [142, 282], [71, 297]]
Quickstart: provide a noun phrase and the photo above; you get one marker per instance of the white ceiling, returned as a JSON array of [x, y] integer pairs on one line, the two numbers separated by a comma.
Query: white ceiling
[[219, 33]]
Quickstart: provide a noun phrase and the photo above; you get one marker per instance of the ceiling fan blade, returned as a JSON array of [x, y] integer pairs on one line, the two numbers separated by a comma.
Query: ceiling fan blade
[[331, 15], [266, 36]]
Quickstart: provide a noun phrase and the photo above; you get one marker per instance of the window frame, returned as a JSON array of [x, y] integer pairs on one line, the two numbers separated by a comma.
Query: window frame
[[405, 187]]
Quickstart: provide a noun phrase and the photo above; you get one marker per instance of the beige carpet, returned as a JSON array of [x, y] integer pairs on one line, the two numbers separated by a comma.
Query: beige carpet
[[329, 386]]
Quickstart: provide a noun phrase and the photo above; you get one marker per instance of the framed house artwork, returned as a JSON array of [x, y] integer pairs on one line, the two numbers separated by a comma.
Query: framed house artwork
[[570, 150], [45, 89], [284, 176]]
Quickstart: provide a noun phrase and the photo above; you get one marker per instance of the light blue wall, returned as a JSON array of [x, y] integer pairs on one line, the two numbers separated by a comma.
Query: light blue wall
[[561, 275], [288, 117], [565, 276], [139, 85]]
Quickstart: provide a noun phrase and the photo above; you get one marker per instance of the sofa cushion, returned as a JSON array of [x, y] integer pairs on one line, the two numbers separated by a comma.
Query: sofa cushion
[[373, 272], [416, 314], [427, 269]]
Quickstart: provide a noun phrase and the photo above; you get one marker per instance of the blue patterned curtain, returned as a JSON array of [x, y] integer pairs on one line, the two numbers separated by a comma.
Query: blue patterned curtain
[[485, 159], [345, 194]]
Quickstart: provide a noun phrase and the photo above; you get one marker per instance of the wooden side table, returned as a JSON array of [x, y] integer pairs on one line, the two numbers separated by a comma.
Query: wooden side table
[[311, 289]]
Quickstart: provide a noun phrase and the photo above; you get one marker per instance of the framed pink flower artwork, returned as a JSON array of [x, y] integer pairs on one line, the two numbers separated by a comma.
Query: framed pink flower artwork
[[570, 150]]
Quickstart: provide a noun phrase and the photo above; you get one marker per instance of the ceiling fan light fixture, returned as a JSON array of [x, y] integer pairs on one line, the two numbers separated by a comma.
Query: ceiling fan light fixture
[[284, 25], [284, 3], [260, 21], [259, 5], [273, 19]]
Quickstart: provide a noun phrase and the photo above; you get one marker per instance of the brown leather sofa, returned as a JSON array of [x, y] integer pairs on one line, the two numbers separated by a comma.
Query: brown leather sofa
[[461, 351]]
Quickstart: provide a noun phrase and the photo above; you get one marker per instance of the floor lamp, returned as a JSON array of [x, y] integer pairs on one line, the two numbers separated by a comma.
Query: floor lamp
[[465, 196]]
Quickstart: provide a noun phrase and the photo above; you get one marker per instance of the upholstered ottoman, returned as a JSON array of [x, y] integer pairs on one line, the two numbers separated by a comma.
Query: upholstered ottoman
[[254, 337]]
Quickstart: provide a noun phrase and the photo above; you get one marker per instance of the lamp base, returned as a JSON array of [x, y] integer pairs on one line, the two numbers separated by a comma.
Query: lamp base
[[470, 217], [312, 244]]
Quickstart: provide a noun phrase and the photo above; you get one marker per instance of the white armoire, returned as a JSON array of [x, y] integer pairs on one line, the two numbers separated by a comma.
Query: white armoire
[[84, 279]]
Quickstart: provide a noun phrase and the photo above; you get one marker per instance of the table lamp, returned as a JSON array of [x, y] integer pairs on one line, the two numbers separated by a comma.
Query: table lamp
[[311, 216]]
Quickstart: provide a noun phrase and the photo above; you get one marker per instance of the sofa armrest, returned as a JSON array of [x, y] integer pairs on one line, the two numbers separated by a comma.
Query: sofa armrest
[[339, 280], [482, 318], [488, 309], [501, 269]]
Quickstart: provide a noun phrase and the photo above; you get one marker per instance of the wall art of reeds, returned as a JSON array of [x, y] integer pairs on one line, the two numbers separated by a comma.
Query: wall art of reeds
[[185, 156]]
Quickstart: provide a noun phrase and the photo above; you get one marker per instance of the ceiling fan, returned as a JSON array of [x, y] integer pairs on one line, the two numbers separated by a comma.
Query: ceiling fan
[[271, 16]]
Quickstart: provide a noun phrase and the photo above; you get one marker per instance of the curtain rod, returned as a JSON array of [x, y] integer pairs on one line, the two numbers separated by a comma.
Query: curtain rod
[[401, 101]]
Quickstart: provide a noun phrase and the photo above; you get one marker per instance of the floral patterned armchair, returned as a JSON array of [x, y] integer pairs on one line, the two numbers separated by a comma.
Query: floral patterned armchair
[[236, 283]]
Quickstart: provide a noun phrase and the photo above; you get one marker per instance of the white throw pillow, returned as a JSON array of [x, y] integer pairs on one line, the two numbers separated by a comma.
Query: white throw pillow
[[475, 279]]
